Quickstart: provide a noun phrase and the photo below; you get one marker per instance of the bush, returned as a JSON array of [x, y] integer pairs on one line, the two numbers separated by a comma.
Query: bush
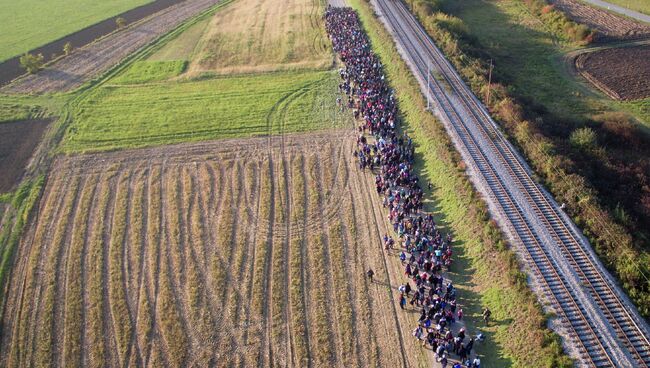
[[32, 63], [451, 24], [583, 138]]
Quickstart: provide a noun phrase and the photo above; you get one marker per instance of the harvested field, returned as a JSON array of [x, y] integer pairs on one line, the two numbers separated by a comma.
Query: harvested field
[[264, 35], [608, 26], [621, 73], [17, 143], [90, 61], [226, 253]]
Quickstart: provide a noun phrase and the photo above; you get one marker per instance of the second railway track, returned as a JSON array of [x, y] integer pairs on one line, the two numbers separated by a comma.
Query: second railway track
[[574, 281]]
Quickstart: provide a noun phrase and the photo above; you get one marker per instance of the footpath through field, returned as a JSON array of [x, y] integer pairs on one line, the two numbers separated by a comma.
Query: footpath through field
[[424, 251], [599, 323]]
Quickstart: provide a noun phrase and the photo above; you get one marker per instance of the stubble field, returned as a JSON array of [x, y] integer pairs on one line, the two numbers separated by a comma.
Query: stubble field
[[230, 253], [260, 36]]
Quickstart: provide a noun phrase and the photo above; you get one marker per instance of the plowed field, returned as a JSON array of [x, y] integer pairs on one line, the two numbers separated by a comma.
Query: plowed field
[[609, 26], [238, 253], [622, 73], [17, 143]]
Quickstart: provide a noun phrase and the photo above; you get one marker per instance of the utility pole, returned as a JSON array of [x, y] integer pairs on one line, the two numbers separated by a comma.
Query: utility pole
[[487, 97], [429, 85]]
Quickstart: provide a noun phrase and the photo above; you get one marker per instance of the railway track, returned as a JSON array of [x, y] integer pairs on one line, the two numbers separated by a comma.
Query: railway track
[[603, 327]]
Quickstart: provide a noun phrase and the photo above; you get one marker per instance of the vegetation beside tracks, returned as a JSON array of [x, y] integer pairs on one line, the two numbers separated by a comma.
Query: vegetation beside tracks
[[486, 271], [541, 108]]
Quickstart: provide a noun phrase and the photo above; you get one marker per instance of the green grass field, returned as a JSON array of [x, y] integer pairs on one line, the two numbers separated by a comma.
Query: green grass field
[[28, 24], [642, 6], [115, 117], [150, 71]]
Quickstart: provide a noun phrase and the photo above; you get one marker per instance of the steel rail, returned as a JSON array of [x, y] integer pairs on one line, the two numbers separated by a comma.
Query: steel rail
[[627, 328], [564, 298]]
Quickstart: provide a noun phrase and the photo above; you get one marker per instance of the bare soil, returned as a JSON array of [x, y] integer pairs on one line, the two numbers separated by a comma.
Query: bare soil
[[243, 252], [609, 27], [17, 143], [622, 73], [91, 60]]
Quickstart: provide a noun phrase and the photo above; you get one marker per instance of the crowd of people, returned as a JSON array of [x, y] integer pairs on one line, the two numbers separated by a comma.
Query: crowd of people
[[424, 251]]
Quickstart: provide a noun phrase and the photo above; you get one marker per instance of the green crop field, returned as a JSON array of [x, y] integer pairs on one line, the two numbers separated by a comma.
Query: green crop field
[[150, 71], [27, 24], [115, 116]]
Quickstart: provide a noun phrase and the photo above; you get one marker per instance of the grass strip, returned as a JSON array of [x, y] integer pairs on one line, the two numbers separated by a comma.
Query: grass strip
[[96, 283], [176, 337], [279, 269], [262, 241], [117, 293], [364, 318], [45, 335]]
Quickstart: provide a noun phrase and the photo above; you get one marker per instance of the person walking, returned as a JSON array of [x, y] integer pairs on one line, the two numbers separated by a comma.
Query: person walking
[[402, 300], [370, 274], [443, 361], [486, 315], [469, 346]]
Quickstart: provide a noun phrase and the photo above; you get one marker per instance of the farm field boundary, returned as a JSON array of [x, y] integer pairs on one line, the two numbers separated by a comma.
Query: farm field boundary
[[96, 58], [11, 69]]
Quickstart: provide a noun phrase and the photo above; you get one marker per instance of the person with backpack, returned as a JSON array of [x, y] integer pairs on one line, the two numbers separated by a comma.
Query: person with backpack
[[486, 315]]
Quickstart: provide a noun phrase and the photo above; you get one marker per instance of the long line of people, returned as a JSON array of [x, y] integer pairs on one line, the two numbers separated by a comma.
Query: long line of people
[[425, 251]]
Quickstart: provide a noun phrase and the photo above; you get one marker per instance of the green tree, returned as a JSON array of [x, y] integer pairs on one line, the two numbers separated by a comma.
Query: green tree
[[67, 48], [32, 63], [121, 22]]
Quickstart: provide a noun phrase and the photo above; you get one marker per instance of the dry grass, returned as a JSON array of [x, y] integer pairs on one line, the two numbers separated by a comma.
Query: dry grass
[[74, 300], [261, 36]]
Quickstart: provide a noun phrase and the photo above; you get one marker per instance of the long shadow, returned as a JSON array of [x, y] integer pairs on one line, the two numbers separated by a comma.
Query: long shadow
[[461, 274]]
